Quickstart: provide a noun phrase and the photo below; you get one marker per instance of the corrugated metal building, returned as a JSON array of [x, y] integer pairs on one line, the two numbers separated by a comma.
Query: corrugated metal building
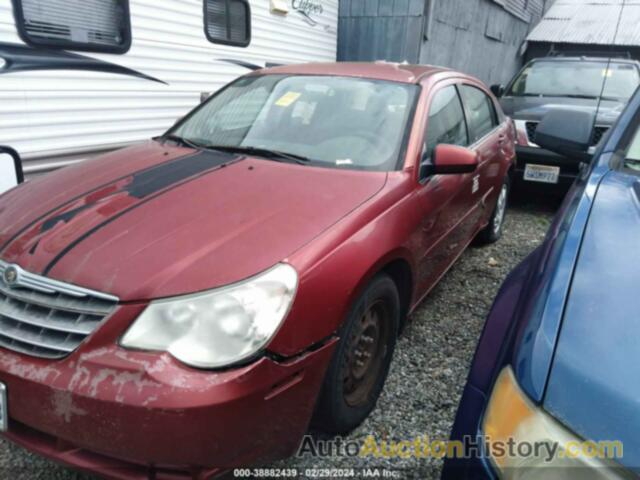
[[480, 37], [588, 27]]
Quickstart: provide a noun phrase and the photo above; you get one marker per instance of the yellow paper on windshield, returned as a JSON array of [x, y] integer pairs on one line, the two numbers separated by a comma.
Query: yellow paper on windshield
[[288, 99]]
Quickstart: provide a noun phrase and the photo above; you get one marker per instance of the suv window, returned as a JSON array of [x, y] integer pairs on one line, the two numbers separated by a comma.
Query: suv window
[[446, 122], [577, 79], [481, 113]]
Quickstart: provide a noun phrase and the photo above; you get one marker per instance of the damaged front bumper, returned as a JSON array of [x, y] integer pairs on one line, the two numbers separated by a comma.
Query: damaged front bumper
[[125, 414]]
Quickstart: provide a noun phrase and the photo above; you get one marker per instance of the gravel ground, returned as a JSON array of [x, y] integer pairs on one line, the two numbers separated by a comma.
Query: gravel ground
[[433, 355], [429, 367]]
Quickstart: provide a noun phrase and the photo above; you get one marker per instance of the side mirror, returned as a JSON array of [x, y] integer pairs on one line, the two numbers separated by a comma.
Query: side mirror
[[567, 132], [10, 169], [498, 90], [451, 159]]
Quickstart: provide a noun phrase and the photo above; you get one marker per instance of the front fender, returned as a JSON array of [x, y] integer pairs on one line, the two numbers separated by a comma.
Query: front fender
[[335, 268]]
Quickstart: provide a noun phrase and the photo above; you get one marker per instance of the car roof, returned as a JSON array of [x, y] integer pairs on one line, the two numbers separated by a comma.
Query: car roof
[[396, 72]]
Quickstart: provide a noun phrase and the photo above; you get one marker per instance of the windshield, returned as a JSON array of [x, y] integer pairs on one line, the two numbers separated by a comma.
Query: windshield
[[577, 79], [332, 121]]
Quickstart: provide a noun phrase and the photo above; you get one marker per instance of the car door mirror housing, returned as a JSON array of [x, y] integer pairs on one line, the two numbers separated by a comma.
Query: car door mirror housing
[[498, 90], [452, 159], [567, 132], [10, 169]]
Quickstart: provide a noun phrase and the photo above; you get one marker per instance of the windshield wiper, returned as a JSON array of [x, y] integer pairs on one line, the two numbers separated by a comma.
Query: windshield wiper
[[261, 152], [569, 95], [578, 95], [592, 97], [182, 141], [612, 99]]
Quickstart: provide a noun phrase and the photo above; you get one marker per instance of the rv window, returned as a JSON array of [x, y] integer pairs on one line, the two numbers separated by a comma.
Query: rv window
[[228, 22], [90, 25]]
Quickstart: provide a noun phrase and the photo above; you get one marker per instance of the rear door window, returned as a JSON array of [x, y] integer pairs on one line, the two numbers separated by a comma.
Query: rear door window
[[481, 113]]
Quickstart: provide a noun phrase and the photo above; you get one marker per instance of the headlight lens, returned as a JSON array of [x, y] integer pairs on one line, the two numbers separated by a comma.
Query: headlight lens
[[512, 418], [220, 327]]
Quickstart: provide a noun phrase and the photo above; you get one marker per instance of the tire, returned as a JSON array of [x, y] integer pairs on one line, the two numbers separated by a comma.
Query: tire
[[493, 231], [351, 389]]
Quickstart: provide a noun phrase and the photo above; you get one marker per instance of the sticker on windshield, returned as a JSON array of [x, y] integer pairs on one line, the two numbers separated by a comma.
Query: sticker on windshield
[[288, 99]]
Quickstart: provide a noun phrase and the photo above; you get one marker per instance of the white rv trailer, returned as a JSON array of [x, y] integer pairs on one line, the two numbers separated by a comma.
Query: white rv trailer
[[82, 77]]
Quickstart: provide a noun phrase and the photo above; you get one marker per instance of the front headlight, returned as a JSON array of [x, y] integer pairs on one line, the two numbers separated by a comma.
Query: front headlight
[[220, 327], [541, 447]]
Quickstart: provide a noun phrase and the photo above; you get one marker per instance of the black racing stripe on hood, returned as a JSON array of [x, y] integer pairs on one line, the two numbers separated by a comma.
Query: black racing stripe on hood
[[84, 194], [145, 183], [155, 182], [63, 217], [152, 181]]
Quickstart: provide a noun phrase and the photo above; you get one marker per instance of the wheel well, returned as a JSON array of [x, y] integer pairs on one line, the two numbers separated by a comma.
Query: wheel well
[[400, 273]]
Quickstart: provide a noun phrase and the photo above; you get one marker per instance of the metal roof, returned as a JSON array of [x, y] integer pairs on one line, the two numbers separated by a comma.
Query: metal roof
[[589, 22]]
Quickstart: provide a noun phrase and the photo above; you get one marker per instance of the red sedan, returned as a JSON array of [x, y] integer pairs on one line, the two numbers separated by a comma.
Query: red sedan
[[190, 304]]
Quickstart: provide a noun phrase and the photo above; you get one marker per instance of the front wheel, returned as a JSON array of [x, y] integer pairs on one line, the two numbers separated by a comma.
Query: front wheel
[[493, 231], [360, 364]]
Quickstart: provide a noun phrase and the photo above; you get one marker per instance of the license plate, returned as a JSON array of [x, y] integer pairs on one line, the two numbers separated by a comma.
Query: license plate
[[541, 173], [4, 413]]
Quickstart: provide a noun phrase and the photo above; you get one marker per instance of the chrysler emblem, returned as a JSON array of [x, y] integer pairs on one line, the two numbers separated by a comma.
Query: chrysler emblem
[[10, 276]]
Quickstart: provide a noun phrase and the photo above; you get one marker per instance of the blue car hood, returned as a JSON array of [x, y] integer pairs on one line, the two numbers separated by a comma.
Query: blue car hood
[[594, 384]]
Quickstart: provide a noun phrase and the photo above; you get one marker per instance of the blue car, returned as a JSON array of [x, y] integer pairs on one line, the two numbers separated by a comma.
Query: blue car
[[554, 387]]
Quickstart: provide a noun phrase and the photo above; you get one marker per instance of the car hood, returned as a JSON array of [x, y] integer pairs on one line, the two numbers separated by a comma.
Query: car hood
[[156, 221], [594, 384], [535, 108]]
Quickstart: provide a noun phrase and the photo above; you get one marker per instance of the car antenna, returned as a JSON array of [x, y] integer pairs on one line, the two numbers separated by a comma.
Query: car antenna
[[607, 70]]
